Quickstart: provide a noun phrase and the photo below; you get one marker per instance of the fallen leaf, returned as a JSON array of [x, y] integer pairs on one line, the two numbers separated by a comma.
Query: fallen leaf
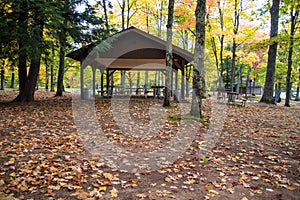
[[190, 181], [208, 187], [82, 194], [141, 195], [10, 162], [110, 176], [114, 192], [102, 188]]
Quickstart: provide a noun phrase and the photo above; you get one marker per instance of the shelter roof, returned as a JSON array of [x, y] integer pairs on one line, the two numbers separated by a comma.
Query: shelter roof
[[131, 48]]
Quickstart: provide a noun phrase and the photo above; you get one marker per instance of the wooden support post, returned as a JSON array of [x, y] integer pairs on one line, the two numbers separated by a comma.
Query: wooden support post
[[107, 81], [94, 80], [182, 89], [81, 82], [102, 85], [176, 95]]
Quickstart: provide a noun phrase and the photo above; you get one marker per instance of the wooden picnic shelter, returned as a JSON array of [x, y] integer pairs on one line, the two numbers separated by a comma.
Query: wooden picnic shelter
[[130, 49]]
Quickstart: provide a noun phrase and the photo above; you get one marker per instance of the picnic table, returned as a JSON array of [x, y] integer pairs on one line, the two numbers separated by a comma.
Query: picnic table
[[156, 90], [109, 92], [233, 98]]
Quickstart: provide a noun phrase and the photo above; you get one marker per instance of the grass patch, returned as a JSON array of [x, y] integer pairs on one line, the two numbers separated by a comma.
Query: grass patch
[[178, 117]]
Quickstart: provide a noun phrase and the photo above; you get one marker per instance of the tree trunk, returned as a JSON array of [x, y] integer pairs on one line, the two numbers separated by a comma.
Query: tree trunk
[[248, 80], [160, 19], [34, 69], [105, 16], [277, 93], [234, 45], [239, 89], [290, 55], [146, 79], [232, 79], [198, 76], [61, 69], [269, 83], [32, 78], [12, 81], [123, 14], [297, 98], [36, 47], [221, 39], [47, 74], [123, 81], [52, 70], [2, 79], [128, 13], [169, 55], [187, 85], [22, 55]]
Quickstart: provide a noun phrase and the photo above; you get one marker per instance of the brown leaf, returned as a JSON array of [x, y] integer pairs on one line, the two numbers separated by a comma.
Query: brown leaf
[[110, 176], [82, 194], [208, 187]]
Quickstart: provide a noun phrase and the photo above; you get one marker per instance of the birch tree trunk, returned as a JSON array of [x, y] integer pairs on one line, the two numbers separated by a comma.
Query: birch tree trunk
[[169, 56], [198, 76]]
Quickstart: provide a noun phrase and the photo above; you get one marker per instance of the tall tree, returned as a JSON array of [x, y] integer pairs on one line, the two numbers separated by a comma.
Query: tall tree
[[217, 48], [62, 50], [127, 6], [198, 72], [169, 56], [236, 23], [37, 12], [35, 59], [269, 82], [294, 13], [105, 4], [21, 10], [297, 98], [2, 73], [122, 6], [71, 24]]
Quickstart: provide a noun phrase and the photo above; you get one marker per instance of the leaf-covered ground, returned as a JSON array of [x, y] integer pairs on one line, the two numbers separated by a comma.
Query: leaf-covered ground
[[42, 156]]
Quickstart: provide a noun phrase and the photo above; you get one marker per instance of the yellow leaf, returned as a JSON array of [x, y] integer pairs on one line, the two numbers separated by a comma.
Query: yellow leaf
[[114, 192], [10, 162], [13, 174], [102, 188]]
